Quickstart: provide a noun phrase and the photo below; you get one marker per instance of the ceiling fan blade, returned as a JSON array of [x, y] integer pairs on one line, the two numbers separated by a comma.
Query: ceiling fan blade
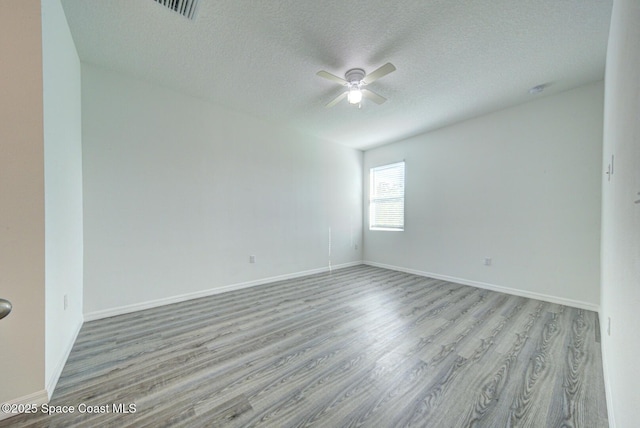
[[332, 77], [380, 72], [337, 99], [378, 99]]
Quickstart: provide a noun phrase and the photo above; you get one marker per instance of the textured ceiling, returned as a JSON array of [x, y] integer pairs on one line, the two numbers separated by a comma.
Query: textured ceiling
[[455, 59]]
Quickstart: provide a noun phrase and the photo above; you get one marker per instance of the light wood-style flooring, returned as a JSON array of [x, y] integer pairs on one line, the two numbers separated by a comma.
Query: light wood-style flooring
[[359, 347]]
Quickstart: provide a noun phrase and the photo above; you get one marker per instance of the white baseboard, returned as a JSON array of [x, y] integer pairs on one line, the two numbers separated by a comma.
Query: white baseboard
[[508, 290], [239, 286], [35, 399], [605, 370], [205, 293], [53, 380], [43, 397]]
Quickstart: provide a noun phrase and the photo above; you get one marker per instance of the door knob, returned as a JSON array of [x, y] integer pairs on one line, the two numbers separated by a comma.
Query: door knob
[[5, 308]]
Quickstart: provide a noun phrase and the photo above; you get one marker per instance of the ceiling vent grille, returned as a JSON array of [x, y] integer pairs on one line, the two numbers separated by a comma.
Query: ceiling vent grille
[[186, 8]]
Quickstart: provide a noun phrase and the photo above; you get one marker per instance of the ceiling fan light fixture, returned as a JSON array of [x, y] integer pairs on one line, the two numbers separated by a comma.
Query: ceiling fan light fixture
[[355, 95], [355, 81]]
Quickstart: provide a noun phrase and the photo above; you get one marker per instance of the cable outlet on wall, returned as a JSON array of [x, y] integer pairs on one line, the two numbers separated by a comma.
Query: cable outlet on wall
[[355, 247], [487, 261], [252, 259]]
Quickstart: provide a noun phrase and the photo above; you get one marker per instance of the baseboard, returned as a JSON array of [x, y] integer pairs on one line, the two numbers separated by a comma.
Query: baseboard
[[35, 399], [513, 291], [605, 372], [210, 292], [43, 397], [53, 380]]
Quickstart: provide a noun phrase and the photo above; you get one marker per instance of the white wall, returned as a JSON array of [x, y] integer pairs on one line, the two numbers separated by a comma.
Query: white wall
[[521, 186], [22, 269], [63, 188], [621, 217], [179, 193]]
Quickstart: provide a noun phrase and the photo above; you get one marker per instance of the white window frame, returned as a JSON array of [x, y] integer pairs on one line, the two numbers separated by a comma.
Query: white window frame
[[376, 199]]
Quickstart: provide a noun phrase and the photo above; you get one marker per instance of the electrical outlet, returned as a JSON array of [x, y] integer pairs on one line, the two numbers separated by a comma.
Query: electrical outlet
[[355, 247], [487, 261], [252, 259], [66, 302]]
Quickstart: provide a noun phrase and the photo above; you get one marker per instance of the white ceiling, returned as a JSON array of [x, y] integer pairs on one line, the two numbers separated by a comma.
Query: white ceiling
[[455, 59]]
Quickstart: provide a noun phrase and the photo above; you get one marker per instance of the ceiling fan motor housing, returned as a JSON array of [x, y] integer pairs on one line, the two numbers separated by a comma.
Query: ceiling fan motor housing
[[355, 75]]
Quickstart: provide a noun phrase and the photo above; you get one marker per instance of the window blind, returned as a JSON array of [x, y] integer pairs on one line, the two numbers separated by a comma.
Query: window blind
[[386, 197]]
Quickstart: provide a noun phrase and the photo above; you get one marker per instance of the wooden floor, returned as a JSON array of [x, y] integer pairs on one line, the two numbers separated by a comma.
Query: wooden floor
[[362, 346]]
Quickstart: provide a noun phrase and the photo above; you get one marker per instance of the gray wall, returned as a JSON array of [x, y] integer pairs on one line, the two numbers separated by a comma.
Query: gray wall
[[520, 186], [179, 193], [621, 216], [63, 189]]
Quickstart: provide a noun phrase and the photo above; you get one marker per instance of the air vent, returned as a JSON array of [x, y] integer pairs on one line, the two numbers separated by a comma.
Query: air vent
[[186, 8]]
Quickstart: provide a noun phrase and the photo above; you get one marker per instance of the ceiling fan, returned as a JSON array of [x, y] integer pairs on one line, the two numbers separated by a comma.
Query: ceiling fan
[[355, 80]]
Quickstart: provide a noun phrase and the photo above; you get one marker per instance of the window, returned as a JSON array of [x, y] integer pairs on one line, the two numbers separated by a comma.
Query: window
[[386, 197]]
